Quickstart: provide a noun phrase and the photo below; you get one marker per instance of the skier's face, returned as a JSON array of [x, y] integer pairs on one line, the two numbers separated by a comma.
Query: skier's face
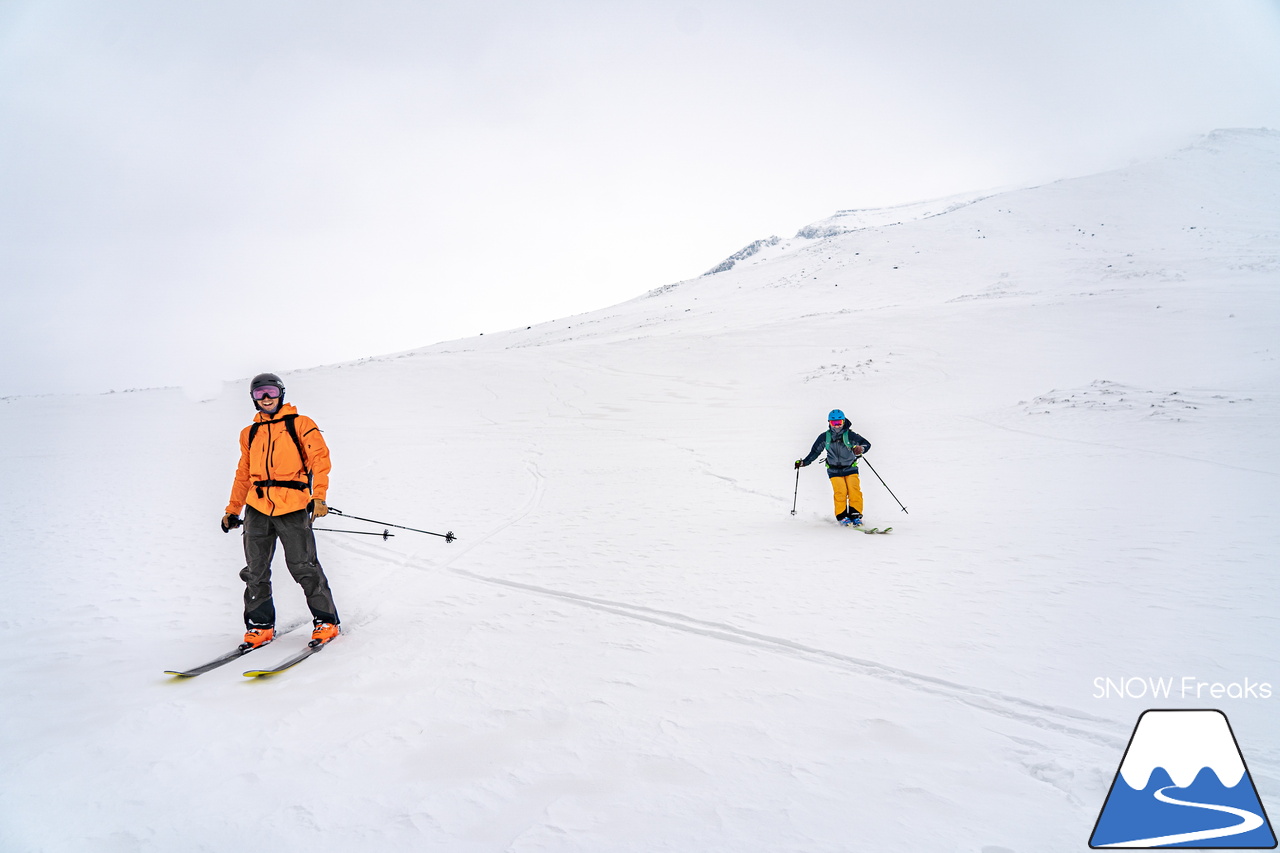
[[267, 398], [835, 424]]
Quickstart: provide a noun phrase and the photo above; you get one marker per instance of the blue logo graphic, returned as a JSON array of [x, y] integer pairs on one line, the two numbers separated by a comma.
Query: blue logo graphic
[[1183, 783]]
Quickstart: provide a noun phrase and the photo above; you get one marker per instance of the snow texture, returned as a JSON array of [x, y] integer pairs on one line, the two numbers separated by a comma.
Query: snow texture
[[634, 645]]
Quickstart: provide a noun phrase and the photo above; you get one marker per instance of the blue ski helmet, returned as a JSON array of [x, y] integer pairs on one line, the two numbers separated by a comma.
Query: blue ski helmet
[[835, 415]]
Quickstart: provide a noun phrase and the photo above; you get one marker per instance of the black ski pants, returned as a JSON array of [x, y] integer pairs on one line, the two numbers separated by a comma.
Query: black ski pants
[[293, 529]]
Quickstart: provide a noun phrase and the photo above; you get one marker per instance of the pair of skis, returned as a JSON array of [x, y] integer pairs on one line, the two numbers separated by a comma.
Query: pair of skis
[[241, 651]]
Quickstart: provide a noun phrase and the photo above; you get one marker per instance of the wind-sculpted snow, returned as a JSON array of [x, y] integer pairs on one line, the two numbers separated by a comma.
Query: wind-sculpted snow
[[742, 254], [634, 645], [1104, 395]]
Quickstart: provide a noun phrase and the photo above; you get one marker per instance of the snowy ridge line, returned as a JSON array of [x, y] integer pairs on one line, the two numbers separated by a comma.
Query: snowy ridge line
[[1002, 704], [868, 218]]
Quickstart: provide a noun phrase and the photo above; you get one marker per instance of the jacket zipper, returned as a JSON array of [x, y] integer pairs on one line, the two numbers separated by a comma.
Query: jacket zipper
[[270, 454]]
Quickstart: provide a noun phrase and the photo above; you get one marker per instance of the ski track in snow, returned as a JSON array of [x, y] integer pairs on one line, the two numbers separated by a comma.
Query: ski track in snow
[[1066, 721], [1011, 707]]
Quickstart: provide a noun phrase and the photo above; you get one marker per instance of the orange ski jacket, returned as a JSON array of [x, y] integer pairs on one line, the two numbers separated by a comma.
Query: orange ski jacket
[[273, 477]]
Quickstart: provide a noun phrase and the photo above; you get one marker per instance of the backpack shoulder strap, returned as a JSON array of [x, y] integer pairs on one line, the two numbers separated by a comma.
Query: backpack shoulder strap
[[302, 454], [297, 442], [293, 433]]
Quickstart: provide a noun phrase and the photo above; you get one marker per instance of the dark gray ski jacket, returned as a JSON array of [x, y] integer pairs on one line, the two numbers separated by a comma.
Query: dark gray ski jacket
[[839, 445]]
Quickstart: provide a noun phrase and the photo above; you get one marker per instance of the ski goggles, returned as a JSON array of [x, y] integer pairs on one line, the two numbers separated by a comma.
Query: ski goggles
[[265, 391], [837, 423]]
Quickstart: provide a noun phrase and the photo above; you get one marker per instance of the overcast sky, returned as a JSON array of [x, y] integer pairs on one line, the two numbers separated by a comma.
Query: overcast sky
[[198, 191]]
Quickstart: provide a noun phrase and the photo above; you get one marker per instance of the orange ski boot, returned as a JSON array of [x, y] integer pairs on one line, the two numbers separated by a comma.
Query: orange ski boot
[[255, 637], [323, 633]]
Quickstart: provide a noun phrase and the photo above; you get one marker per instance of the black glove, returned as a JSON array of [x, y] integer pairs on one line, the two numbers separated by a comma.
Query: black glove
[[230, 521], [799, 463], [857, 450]]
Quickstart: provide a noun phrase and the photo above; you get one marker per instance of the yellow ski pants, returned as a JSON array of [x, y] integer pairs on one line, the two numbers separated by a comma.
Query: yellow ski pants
[[848, 495]]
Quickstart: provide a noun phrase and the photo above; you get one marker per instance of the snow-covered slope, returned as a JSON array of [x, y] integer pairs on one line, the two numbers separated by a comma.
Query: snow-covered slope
[[634, 645]]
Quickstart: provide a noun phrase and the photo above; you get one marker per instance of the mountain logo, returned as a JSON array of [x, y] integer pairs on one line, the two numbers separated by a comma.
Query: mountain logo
[[1183, 783]]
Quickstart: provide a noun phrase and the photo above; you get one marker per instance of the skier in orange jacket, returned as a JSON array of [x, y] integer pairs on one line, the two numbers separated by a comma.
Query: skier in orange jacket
[[281, 484]]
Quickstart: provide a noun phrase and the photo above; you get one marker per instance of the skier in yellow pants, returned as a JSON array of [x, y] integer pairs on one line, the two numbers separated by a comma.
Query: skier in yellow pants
[[843, 446]]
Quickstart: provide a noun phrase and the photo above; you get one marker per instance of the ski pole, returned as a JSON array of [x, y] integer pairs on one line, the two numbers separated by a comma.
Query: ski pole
[[883, 483], [448, 537], [796, 496], [386, 534]]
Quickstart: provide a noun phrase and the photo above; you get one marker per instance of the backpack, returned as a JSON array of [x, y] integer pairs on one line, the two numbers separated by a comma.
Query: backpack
[[846, 439], [847, 444]]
